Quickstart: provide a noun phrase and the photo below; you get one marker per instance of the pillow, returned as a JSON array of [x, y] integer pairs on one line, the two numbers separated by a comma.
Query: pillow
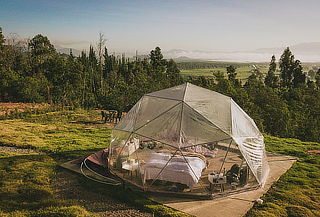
[[178, 159], [160, 156]]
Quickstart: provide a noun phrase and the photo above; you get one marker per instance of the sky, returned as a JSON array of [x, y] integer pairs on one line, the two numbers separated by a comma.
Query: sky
[[129, 25]]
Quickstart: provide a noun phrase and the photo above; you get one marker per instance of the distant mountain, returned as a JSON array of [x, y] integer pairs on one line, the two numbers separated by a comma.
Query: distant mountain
[[65, 50], [306, 52], [184, 54], [183, 59]]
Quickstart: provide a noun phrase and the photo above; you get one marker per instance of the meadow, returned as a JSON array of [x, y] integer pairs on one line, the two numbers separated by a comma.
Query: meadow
[[244, 70], [32, 184]]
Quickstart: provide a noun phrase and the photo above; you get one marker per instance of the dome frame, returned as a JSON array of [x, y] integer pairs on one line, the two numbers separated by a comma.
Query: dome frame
[[188, 116]]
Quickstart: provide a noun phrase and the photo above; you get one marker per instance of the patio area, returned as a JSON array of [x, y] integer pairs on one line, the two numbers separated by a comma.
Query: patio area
[[235, 205]]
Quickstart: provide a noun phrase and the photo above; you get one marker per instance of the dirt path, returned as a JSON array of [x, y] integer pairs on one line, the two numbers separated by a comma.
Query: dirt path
[[17, 150]]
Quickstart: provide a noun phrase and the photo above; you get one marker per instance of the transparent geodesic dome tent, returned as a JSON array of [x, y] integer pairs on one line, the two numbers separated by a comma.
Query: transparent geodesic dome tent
[[188, 140]]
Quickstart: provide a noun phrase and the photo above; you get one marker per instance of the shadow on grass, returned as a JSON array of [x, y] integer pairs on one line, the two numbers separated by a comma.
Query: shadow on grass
[[30, 147], [134, 198], [63, 156], [87, 122]]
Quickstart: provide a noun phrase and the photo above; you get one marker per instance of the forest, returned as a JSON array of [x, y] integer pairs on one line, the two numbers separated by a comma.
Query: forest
[[284, 105]]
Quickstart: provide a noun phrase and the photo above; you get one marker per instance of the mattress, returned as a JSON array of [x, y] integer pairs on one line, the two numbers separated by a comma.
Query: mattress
[[175, 170]]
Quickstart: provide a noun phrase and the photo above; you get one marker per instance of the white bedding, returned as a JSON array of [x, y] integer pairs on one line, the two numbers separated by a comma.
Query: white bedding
[[177, 170]]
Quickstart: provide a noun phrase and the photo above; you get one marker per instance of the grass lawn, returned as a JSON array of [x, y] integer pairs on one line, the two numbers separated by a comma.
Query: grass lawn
[[32, 184], [297, 193], [25, 181]]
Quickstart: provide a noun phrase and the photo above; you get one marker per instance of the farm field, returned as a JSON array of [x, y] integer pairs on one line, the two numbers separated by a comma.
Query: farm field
[[244, 70], [32, 184]]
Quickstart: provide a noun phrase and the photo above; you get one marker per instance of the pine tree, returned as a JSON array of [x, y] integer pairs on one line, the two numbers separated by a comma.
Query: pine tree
[[318, 78], [253, 81], [286, 65], [109, 69], [271, 79], [157, 61], [173, 73], [2, 40], [41, 51], [299, 78], [232, 75], [156, 57], [40, 46], [231, 71]]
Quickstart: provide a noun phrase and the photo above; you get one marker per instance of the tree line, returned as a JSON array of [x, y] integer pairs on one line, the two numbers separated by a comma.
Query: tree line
[[36, 72], [285, 105]]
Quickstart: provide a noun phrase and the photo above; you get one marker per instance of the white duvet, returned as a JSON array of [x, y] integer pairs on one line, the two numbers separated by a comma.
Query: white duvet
[[177, 170]]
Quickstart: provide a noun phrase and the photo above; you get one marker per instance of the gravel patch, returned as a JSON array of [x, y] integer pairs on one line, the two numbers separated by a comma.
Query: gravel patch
[[17, 150]]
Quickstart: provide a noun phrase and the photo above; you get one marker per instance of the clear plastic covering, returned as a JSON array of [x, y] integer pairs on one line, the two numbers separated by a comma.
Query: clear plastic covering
[[182, 138], [152, 108], [165, 128], [214, 106], [196, 129], [174, 93], [127, 123]]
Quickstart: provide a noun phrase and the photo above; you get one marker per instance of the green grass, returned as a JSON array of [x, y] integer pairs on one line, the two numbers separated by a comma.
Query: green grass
[[26, 179], [26, 189], [243, 72], [67, 134], [297, 193]]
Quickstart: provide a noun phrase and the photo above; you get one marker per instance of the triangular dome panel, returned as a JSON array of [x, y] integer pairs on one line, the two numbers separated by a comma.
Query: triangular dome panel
[[152, 107], [165, 128], [242, 124], [212, 105], [174, 93], [196, 129], [127, 123]]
